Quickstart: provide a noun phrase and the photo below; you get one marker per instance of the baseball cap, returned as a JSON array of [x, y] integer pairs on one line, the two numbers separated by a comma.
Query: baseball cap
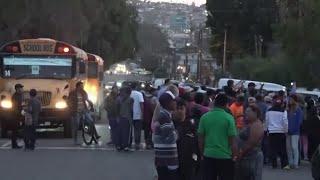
[[18, 86]]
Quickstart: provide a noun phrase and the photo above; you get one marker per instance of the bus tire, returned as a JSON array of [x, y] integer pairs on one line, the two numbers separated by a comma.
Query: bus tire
[[67, 129], [4, 129]]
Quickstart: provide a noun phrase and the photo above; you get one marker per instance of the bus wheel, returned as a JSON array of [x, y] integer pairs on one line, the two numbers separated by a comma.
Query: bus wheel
[[4, 129], [67, 130]]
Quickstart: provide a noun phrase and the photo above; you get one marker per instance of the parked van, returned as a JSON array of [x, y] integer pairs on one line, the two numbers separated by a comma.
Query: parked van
[[269, 87]]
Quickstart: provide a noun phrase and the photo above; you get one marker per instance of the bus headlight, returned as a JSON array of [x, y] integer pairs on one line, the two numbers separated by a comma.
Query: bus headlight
[[108, 87], [61, 105], [92, 96], [6, 104], [119, 84]]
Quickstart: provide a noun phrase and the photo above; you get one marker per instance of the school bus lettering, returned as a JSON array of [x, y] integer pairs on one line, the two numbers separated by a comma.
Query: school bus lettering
[[37, 48]]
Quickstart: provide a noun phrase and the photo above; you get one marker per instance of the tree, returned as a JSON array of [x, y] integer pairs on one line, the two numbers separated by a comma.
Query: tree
[[300, 38], [296, 32], [153, 45], [104, 27], [113, 32], [247, 23]]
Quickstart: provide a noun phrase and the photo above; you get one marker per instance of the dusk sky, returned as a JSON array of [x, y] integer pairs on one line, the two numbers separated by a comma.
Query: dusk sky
[[198, 2]]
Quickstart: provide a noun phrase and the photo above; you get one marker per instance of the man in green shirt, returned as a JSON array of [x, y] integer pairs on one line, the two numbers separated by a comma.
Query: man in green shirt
[[217, 133]]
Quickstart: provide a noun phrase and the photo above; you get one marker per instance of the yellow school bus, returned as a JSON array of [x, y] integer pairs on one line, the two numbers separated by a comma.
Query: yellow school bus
[[49, 66], [93, 83]]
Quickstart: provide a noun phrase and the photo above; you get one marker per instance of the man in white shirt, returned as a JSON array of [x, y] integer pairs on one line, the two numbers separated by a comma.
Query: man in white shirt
[[137, 114]]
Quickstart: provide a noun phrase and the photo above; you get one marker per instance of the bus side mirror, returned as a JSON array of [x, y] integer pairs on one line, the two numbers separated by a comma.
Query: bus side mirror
[[82, 68], [65, 98]]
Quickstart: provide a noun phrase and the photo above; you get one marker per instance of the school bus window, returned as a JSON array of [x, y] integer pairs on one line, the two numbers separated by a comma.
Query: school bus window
[[82, 67], [92, 70], [101, 76], [37, 67]]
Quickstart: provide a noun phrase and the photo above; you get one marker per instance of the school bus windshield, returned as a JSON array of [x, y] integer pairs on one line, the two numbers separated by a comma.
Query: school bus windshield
[[37, 67]]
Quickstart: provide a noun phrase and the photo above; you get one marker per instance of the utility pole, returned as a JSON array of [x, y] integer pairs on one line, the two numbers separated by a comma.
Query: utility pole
[[260, 45], [225, 51], [187, 58], [81, 41], [199, 65], [256, 45]]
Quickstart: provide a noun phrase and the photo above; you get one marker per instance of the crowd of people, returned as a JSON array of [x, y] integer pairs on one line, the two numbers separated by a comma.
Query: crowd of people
[[200, 133]]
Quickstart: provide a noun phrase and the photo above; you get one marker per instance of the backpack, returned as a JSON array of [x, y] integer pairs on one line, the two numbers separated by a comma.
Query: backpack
[[315, 161]]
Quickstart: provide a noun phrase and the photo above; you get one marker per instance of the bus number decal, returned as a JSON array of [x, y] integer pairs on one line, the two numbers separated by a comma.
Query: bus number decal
[[35, 70], [7, 73]]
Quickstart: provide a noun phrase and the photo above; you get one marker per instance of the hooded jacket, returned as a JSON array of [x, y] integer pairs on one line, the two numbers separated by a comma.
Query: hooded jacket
[[277, 120]]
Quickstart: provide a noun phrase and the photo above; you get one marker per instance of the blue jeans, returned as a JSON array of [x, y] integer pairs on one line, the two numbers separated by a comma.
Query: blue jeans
[[293, 149], [250, 168]]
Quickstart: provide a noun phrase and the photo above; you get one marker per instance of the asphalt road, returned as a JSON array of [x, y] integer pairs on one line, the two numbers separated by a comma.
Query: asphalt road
[[58, 159]]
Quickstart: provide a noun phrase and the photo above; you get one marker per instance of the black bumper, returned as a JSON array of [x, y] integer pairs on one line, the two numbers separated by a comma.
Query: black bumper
[[46, 115], [54, 115]]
